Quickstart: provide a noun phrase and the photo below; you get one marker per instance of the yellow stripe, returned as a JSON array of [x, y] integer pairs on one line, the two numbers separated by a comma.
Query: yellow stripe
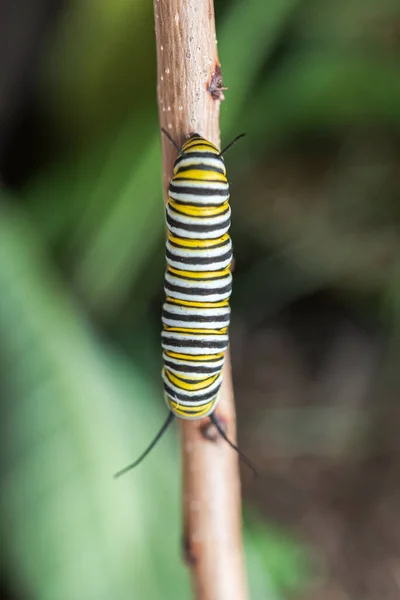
[[198, 243], [199, 274], [200, 175], [191, 330], [193, 387], [198, 358], [197, 141], [199, 144], [221, 304], [197, 411], [199, 211], [201, 148]]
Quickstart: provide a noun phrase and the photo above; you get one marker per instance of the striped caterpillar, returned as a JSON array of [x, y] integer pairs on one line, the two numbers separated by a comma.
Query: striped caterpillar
[[198, 285]]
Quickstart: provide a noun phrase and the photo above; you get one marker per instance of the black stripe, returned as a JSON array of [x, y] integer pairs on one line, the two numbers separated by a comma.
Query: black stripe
[[200, 167], [197, 318], [211, 247], [192, 137], [200, 260], [196, 191], [188, 397], [198, 228], [189, 358], [169, 287], [197, 155], [193, 343], [193, 369]]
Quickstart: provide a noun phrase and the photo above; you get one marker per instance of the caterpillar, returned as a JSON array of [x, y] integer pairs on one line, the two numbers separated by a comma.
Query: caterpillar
[[198, 285], [198, 281]]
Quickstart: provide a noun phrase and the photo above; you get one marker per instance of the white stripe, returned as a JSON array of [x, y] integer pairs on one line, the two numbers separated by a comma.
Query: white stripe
[[194, 324], [198, 298], [212, 284], [215, 266], [196, 235], [207, 337], [188, 161], [201, 185], [190, 310], [199, 200], [190, 220]]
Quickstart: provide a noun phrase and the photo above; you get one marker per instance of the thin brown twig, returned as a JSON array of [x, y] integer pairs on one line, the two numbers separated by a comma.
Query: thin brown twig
[[189, 94]]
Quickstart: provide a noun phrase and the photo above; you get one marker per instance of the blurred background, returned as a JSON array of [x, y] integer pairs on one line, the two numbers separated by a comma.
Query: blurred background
[[315, 335]]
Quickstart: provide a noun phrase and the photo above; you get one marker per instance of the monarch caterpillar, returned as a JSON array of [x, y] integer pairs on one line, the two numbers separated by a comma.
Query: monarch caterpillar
[[198, 285]]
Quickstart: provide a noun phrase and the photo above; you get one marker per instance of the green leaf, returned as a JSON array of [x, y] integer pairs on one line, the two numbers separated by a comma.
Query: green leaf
[[246, 38], [105, 209], [123, 240], [73, 413], [277, 564], [325, 90]]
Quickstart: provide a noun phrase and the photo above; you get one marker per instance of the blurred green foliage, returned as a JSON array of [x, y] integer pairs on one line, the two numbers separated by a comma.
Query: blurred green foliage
[[81, 261]]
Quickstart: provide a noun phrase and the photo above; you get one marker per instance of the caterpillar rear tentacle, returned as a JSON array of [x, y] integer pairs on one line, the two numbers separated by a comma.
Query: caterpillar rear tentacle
[[159, 435]]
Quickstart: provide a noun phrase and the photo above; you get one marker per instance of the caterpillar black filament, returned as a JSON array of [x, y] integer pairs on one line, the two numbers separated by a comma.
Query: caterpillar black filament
[[198, 284]]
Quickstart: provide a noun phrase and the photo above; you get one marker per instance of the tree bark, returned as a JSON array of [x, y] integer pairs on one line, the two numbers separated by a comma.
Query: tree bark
[[189, 95]]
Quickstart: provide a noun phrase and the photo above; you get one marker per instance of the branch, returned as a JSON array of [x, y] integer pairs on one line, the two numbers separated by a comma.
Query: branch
[[189, 95]]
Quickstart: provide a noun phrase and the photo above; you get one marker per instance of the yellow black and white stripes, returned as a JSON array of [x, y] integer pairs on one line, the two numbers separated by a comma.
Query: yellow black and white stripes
[[198, 284], [198, 281]]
